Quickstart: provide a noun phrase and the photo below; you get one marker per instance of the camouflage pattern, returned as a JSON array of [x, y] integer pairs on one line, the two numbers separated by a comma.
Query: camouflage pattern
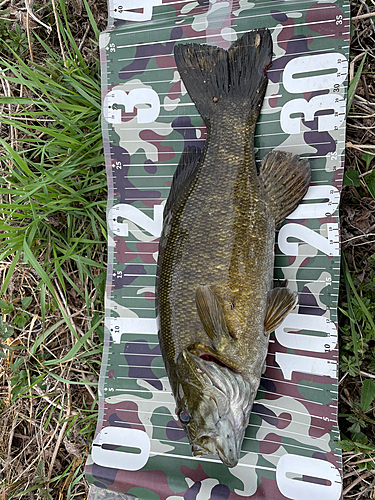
[[289, 450]]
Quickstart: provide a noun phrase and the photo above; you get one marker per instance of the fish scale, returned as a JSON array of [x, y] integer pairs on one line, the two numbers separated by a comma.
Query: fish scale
[[213, 227]]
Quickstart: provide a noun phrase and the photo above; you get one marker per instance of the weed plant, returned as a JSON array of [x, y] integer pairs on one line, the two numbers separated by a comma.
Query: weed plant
[[357, 288]]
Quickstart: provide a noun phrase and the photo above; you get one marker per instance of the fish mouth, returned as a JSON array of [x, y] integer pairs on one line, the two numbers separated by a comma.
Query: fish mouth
[[206, 445], [207, 449]]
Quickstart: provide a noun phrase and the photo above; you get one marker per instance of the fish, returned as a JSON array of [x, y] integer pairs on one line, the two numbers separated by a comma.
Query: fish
[[215, 300]]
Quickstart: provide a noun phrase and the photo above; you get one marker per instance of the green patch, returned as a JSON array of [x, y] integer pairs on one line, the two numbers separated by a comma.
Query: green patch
[[367, 394], [143, 493], [313, 391], [351, 178]]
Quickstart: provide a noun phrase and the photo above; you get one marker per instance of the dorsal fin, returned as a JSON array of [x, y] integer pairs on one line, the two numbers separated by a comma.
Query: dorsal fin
[[286, 179], [183, 178]]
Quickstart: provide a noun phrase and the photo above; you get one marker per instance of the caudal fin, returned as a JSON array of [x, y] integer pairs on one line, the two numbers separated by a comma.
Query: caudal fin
[[216, 78]]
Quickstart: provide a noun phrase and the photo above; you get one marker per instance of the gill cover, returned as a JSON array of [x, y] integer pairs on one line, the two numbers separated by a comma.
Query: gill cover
[[213, 405]]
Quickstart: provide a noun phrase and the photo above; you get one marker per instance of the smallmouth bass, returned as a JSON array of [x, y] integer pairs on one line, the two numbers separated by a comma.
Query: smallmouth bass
[[214, 298]]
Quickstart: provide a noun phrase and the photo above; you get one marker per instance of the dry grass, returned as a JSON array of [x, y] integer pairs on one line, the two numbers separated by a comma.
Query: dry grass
[[358, 243]]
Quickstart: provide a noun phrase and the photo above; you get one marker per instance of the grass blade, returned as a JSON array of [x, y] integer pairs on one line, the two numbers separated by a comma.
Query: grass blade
[[367, 394], [354, 84]]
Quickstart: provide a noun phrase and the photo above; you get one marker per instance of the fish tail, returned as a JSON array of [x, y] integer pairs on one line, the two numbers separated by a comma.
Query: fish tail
[[216, 78]]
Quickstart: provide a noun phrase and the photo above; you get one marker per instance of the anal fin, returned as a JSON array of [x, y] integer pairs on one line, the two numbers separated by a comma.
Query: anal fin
[[280, 302]]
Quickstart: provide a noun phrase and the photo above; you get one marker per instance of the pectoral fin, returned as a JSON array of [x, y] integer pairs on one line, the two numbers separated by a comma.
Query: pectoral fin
[[212, 316], [279, 304]]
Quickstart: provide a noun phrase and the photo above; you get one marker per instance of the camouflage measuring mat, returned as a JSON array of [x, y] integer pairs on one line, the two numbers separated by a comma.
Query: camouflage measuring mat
[[289, 450]]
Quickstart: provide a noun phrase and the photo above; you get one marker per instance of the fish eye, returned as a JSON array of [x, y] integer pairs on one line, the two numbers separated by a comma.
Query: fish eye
[[184, 416]]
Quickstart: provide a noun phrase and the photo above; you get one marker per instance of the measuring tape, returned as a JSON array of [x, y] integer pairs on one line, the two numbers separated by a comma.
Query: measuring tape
[[290, 449]]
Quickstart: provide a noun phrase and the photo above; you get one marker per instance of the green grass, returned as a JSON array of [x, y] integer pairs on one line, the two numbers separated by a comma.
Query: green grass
[[357, 360], [53, 252], [55, 184]]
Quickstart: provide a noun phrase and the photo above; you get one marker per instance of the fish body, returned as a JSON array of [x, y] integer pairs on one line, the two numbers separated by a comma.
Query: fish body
[[215, 301]]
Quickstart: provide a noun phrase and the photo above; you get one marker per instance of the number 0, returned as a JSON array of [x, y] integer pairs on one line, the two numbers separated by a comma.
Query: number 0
[[309, 64], [299, 466]]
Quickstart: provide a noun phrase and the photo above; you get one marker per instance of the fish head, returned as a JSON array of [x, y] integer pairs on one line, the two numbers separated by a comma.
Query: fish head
[[213, 406]]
